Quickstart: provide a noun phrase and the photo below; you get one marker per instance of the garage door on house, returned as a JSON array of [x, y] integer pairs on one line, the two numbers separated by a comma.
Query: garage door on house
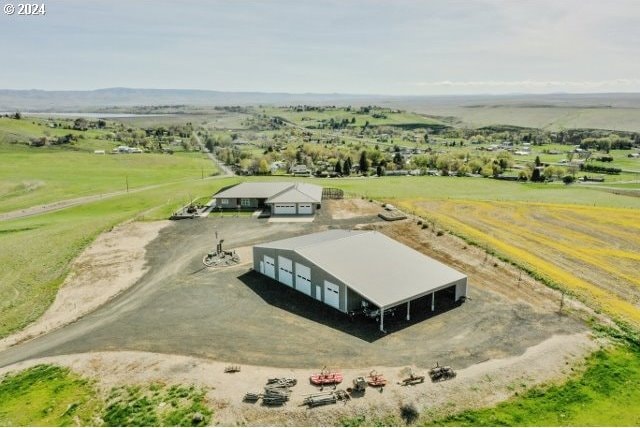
[[303, 279], [332, 294], [284, 208], [270, 267], [285, 271], [305, 209]]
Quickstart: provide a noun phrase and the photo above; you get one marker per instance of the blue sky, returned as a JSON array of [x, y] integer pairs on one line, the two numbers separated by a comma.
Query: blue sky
[[349, 46]]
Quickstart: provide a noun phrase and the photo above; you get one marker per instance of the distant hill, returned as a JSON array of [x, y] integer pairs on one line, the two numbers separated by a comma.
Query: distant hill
[[619, 111], [38, 100]]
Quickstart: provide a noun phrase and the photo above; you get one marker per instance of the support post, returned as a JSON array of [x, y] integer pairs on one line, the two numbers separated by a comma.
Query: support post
[[408, 310], [382, 320], [433, 301]]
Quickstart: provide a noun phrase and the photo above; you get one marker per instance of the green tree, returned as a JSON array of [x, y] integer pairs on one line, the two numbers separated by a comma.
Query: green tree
[[346, 167], [263, 166], [338, 167], [535, 175], [363, 163]]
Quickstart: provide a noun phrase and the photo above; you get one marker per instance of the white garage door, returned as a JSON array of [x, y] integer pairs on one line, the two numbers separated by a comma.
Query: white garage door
[[285, 271], [332, 294], [270, 267], [303, 279], [284, 208], [305, 209]]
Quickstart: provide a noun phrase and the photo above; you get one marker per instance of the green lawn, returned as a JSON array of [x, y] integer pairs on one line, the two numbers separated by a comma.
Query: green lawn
[[47, 396], [607, 394], [32, 176]]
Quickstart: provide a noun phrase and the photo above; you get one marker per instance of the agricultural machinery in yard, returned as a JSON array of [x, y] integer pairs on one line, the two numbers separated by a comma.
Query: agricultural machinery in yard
[[441, 373], [369, 312]]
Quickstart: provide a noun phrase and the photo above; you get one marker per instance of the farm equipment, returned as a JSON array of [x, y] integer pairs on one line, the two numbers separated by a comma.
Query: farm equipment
[[359, 386], [441, 373], [282, 382], [252, 397], [366, 311], [413, 379], [324, 398], [220, 257], [275, 396], [276, 393], [376, 380], [232, 369], [326, 377]]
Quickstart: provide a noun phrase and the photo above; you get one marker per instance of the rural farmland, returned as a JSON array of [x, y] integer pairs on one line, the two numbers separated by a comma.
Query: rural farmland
[[285, 213]]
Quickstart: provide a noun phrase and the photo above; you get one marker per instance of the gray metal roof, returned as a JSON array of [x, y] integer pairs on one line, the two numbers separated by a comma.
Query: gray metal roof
[[379, 268], [300, 192], [310, 239], [275, 191]]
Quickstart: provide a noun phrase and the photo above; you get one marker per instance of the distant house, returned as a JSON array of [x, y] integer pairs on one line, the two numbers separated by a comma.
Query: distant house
[[126, 149], [300, 170], [280, 197]]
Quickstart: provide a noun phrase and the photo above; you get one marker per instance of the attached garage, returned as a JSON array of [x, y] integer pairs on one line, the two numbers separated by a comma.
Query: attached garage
[[303, 279], [305, 208], [354, 269], [284, 209], [285, 271]]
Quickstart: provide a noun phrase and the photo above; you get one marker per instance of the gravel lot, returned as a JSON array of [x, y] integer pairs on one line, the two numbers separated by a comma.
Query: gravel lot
[[236, 315]]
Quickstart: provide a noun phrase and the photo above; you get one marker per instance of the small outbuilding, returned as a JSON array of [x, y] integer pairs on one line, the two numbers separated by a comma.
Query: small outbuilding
[[352, 269], [282, 198]]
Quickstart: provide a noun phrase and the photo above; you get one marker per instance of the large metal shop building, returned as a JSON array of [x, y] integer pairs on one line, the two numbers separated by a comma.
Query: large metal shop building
[[349, 269]]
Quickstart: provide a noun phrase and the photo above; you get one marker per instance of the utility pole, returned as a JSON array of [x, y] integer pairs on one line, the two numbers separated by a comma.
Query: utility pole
[[126, 179]]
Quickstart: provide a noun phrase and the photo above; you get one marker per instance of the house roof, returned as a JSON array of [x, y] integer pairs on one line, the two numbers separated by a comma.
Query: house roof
[[300, 192], [382, 270], [282, 191]]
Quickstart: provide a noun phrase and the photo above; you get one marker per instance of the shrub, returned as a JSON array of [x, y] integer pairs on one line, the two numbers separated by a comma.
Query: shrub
[[409, 412]]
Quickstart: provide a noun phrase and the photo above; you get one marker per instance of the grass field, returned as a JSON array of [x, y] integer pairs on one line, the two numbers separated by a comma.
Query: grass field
[[47, 396], [33, 176], [550, 118], [607, 394], [35, 251], [476, 189], [314, 118]]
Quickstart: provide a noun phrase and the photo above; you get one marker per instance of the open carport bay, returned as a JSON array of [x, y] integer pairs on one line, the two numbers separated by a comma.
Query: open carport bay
[[237, 315]]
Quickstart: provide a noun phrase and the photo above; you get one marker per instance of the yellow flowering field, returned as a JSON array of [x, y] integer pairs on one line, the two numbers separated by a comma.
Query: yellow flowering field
[[594, 252]]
